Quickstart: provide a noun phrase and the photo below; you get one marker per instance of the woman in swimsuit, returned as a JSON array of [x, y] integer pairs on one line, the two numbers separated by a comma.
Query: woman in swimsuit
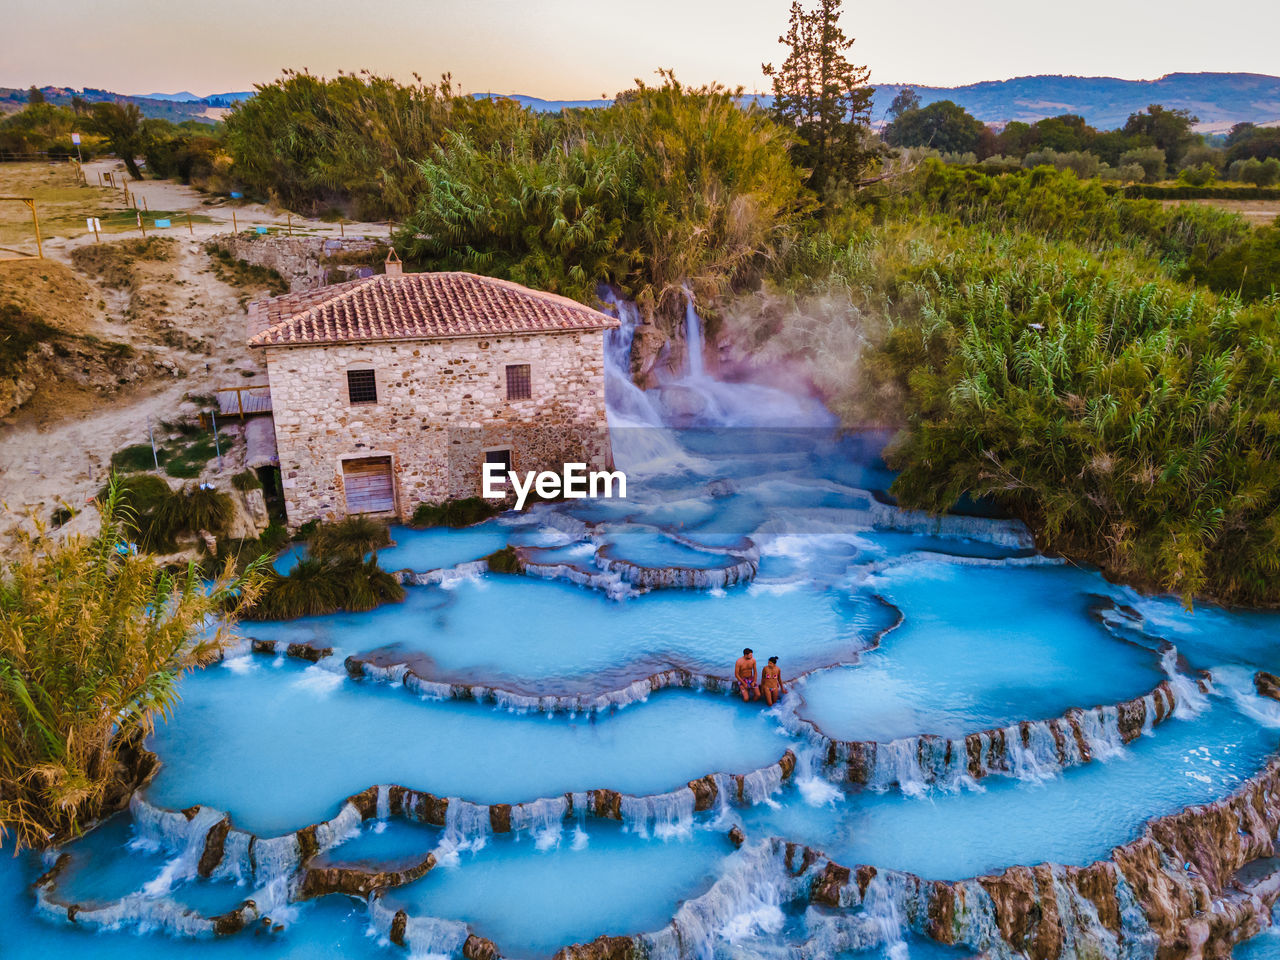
[[771, 682]]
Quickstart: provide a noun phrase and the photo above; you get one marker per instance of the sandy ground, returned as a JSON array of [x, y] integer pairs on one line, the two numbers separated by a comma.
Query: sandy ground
[[49, 460], [1257, 212]]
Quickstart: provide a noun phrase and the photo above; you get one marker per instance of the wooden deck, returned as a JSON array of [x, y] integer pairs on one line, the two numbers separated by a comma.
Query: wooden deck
[[244, 401]]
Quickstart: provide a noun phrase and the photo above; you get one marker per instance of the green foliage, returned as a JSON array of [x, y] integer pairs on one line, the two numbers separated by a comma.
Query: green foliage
[[672, 185], [317, 587], [454, 513], [1059, 206], [822, 96], [137, 457], [191, 510], [1131, 419], [188, 456], [348, 539], [504, 561], [120, 124], [245, 481], [1250, 267], [942, 125], [353, 141], [92, 642]]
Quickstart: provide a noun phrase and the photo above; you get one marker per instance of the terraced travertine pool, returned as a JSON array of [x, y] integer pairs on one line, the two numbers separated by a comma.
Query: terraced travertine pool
[[521, 763]]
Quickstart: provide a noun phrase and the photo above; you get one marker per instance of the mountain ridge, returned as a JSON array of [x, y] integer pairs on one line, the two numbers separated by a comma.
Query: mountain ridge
[[1219, 99]]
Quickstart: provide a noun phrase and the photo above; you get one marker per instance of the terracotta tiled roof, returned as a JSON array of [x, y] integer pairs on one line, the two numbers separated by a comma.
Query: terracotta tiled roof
[[415, 306]]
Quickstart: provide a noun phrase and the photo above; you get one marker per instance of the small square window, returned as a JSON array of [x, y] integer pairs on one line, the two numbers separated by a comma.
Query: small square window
[[519, 385], [499, 456], [362, 386]]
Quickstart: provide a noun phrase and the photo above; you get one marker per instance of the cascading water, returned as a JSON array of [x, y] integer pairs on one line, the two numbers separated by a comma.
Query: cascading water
[[982, 700]]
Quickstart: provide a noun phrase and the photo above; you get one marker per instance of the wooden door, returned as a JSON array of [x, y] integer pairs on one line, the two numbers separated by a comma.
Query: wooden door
[[368, 485]]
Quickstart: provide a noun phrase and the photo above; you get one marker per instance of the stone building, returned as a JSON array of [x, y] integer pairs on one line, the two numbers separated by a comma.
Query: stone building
[[393, 390]]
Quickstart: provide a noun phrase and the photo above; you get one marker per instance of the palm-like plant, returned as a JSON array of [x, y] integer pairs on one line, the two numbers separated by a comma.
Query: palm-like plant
[[93, 639]]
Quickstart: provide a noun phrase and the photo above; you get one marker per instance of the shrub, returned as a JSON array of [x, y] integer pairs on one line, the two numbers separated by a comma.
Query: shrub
[[92, 642], [187, 459], [316, 587], [137, 457], [245, 481], [504, 561], [309, 590], [190, 510], [363, 585], [454, 513], [1150, 159], [1199, 176], [348, 539]]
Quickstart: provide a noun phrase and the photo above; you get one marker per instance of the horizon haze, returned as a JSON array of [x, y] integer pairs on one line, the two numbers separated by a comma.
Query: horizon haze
[[567, 49]]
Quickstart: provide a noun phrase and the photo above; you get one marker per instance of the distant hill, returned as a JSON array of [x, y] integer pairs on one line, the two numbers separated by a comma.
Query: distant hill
[[538, 105], [1218, 99]]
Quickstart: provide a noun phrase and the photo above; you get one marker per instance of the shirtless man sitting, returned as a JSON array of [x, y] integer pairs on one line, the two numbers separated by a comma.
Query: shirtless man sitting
[[744, 671]]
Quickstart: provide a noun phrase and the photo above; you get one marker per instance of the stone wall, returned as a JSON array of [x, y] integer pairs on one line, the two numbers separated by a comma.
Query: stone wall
[[441, 404], [302, 261]]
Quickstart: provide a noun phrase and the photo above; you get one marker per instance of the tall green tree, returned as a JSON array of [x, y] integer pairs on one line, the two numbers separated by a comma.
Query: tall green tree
[[943, 125], [121, 125], [1170, 130], [825, 97]]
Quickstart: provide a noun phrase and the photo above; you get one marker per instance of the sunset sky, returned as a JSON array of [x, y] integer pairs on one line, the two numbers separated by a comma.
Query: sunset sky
[[577, 49]]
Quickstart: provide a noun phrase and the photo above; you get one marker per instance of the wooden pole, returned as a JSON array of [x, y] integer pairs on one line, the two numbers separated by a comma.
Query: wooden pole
[[342, 232], [99, 178], [189, 229], [240, 400], [35, 222], [144, 205], [96, 238], [234, 228], [141, 226], [291, 224]]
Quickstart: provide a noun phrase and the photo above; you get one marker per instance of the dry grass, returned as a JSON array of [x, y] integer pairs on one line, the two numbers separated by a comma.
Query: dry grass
[[61, 201], [1258, 212], [51, 291]]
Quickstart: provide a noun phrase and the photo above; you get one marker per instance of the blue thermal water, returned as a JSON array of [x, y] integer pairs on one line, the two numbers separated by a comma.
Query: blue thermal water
[[441, 546], [980, 646], [1073, 818], [109, 863], [331, 929], [989, 636], [382, 842], [647, 549], [569, 639], [280, 747], [533, 900]]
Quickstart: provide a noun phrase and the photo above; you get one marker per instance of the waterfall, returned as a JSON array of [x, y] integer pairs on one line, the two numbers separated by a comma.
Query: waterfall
[[880, 903], [665, 815], [745, 901], [694, 344], [543, 820], [466, 827], [183, 866]]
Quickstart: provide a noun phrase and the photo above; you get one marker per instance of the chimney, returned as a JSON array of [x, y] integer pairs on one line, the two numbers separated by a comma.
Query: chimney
[[394, 267]]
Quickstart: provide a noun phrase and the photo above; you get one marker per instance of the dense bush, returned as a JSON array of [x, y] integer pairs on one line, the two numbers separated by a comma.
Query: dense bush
[[93, 639], [317, 587], [348, 539], [671, 186], [1128, 417]]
